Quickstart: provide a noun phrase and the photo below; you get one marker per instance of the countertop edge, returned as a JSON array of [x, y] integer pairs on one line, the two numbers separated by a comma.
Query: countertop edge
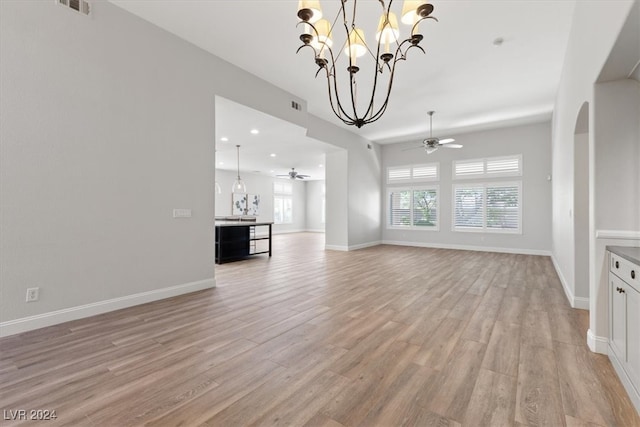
[[630, 253]]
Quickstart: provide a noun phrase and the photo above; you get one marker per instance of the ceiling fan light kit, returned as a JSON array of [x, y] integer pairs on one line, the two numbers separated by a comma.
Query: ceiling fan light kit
[[293, 174], [318, 34], [432, 144]]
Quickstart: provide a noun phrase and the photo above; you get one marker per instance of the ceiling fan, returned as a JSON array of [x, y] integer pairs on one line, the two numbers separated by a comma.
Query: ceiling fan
[[431, 144], [293, 175]]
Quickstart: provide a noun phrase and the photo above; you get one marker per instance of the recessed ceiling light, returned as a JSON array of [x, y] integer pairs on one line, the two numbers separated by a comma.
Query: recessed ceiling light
[[224, 139], [255, 131], [271, 171], [221, 163], [272, 154], [319, 166]]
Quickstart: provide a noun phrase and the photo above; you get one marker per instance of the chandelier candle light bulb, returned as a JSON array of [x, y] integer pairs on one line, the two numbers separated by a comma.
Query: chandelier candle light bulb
[[319, 35]]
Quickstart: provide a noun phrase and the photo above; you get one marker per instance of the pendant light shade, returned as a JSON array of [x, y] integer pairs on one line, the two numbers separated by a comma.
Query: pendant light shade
[[239, 185]]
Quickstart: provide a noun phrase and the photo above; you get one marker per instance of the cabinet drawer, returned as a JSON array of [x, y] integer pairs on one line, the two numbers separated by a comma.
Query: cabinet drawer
[[625, 270]]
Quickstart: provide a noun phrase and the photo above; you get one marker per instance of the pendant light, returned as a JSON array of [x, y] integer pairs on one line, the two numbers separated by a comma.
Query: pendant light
[[238, 184]]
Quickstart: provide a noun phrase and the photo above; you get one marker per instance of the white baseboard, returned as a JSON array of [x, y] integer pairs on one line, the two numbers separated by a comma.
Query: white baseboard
[[352, 247], [574, 301], [624, 379], [469, 248], [364, 245], [618, 234], [24, 324], [313, 230], [273, 231], [597, 344]]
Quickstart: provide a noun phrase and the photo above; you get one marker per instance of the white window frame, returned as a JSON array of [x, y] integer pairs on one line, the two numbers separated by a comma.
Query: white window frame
[[410, 172], [411, 189], [484, 228], [485, 173]]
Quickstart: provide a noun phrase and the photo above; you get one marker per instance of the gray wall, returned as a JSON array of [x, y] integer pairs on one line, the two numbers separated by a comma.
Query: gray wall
[[107, 125], [532, 141], [315, 194]]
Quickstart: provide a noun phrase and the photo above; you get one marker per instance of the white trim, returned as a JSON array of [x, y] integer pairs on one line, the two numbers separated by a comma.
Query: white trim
[[522, 251], [624, 379], [567, 290], [618, 234], [24, 324], [581, 302], [274, 231], [352, 247], [574, 301], [597, 344], [364, 245], [313, 230]]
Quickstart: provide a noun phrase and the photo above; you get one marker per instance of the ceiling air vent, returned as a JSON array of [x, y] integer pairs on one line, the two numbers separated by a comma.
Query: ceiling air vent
[[81, 6]]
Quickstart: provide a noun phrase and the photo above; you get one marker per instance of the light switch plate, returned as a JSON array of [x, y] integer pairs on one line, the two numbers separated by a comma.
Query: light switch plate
[[182, 213]]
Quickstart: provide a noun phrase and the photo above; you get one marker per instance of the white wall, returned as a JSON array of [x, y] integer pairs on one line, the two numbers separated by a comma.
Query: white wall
[[315, 195], [532, 141], [107, 125], [337, 226], [356, 175], [587, 52], [581, 221]]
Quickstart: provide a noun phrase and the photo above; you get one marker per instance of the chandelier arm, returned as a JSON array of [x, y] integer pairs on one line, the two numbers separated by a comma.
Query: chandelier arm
[[332, 76], [336, 112]]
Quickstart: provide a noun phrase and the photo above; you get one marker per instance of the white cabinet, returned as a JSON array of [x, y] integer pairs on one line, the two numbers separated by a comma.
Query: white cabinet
[[624, 322]]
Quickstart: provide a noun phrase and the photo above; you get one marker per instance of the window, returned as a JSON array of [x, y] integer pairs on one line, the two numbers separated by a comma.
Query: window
[[415, 208], [489, 207], [282, 203], [411, 205], [412, 173], [488, 168]]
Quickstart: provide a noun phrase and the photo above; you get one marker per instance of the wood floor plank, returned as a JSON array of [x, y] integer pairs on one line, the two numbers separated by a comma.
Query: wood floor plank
[[582, 395], [492, 401], [538, 398], [449, 394], [503, 351], [383, 336]]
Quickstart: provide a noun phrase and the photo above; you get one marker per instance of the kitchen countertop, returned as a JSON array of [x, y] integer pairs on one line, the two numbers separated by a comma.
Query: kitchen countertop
[[631, 254], [240, 223]]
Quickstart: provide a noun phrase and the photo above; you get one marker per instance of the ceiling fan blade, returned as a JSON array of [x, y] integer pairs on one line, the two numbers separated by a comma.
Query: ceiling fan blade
[[413, 148], [431, 149], [452, 146], [446, 140]]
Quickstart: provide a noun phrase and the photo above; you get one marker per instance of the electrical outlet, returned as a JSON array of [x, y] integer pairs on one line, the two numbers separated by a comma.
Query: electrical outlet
[[33, 294]]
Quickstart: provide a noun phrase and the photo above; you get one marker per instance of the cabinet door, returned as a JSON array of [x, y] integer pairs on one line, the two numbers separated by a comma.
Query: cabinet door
[[633, 334], [618, 317]]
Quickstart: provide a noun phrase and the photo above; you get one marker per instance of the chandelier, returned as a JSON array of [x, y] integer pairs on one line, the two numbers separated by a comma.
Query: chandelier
[[388, 50]]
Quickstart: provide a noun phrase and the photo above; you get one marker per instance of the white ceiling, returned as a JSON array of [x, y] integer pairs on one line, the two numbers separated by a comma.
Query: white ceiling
[[469, 82], [288, 142]]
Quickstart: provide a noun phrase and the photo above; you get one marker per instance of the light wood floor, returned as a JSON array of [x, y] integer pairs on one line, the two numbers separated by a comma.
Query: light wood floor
[[383, 336]]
